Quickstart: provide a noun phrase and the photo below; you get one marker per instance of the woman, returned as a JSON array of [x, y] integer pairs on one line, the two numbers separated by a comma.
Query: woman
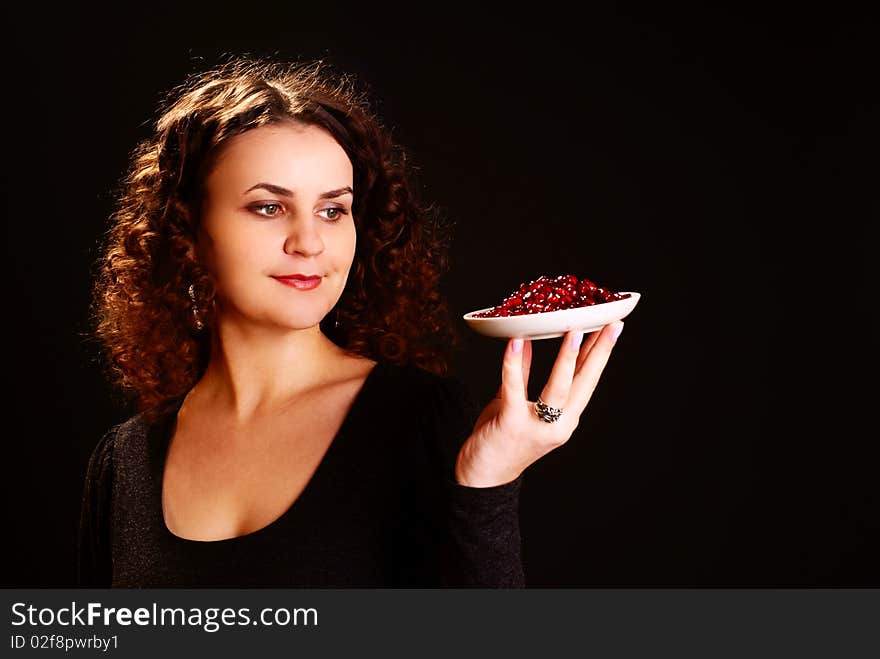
[[268, 297]]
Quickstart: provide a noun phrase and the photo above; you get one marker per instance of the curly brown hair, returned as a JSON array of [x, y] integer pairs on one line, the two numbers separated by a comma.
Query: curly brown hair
[[143, 315]]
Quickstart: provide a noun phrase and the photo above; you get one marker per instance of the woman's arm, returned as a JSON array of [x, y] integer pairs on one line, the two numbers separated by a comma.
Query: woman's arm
[[479, 542], [483, 548], [94, 563]]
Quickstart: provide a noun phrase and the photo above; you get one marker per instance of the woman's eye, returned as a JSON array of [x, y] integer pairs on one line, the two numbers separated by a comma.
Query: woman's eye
[[275, 209], [333, 213], [336, 214]]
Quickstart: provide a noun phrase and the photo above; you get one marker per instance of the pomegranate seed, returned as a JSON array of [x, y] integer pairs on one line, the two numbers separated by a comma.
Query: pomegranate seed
[[552, 294]]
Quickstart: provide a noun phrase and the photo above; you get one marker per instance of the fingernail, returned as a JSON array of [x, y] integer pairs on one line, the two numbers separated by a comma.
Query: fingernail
[[516, 346], [617, 332], [576, 340]]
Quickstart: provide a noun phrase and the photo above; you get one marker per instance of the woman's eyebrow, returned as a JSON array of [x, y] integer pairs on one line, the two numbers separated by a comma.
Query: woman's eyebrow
[[284, 192]]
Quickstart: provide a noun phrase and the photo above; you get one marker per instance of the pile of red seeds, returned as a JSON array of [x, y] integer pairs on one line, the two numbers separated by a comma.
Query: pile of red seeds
[[548, 294]]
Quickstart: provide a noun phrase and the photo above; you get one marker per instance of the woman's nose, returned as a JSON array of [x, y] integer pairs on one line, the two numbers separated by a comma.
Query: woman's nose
[[302, 237]]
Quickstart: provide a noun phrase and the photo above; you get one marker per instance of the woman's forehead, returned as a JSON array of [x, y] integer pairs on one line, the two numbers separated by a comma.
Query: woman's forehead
[[288, 156]]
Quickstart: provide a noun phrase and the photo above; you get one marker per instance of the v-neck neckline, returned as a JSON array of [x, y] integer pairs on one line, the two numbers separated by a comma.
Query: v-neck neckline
[[165, 431]]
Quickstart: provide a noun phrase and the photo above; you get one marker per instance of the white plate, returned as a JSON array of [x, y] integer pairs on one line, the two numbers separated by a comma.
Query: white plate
[[551, 324]]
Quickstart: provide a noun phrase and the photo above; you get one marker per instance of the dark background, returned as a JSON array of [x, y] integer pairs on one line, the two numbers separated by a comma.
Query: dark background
[[719, 162]]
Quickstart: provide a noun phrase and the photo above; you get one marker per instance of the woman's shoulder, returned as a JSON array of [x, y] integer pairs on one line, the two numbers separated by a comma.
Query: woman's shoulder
[[126, 435], [437, 399], [128, 430], [416, 381]]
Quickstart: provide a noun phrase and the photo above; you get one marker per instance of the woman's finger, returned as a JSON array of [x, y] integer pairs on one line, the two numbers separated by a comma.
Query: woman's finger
[[526, 365], [586, 346], [556, 391], [587, 377], [513, 386]]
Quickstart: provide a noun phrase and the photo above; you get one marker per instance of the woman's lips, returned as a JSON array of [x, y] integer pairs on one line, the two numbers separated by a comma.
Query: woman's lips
[[300, 283]]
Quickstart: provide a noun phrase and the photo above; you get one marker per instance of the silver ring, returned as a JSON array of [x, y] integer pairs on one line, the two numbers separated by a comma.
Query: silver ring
[[547, 412]]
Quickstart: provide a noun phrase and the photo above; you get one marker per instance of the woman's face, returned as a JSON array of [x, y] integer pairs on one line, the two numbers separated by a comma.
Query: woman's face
[[278, 202]]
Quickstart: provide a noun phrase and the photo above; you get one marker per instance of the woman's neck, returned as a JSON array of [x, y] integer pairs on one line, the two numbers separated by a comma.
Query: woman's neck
[[255, 372]]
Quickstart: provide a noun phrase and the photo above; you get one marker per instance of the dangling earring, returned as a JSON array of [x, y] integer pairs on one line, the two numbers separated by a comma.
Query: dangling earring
[[336, 322], [192, 296]]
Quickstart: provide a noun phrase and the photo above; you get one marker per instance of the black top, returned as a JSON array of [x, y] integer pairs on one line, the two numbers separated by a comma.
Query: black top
[[382, 509]]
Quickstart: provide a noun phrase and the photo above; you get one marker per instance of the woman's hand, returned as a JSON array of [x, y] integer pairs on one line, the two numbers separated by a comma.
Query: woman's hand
[[508, 436]]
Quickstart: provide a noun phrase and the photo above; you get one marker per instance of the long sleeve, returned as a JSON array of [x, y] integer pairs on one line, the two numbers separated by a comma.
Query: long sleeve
[[484, 547], [481, 544], [94, 567]]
